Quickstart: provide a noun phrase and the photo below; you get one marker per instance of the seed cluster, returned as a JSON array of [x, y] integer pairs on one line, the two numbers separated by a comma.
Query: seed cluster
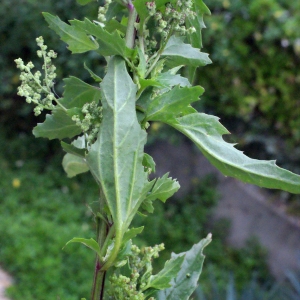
[[89, 120], [33, 88], [170, 20], [102, 10], [140, 263]]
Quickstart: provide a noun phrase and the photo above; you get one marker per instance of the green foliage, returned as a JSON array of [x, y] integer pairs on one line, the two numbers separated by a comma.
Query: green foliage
[[122, 169], [110, 136], [255, 49], [58, 125], [35, 225], [192, 214], [75, 37], [186, 280], [206, 132]]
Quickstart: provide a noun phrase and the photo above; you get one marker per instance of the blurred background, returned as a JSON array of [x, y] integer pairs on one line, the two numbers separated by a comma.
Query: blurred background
[[253, 85]]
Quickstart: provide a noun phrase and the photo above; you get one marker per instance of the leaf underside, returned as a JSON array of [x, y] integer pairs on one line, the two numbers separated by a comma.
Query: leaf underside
[[74, 165], [186, 281], [206, 132], [115, 159]]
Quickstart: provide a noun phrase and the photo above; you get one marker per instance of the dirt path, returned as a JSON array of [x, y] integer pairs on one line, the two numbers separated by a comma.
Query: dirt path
[[5, 281]]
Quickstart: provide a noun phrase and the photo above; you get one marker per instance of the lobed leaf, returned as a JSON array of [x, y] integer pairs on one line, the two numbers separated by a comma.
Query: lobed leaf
[[186, 280], [76, 38], [164, 188], [115, 159], [77, 93], [109, 43], [206, 132], [201, 9], [148, 162], [58, 125], [178, 53], [172, 103], [168, 79], [113, 25], [162, 279]]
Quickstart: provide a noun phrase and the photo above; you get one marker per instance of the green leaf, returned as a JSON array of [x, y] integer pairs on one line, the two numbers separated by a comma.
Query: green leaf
[[141, 8], [149, 82], [168, 79], [178, 53], [115, 159], [74, 165], [93, 75], [172, 103], [91, 243], [84, 2], [142, 64], [73, 150], [148, 162], [123, 254], [165, 80], [164, 188], [114, 9], [76, 38], [131, 233], [206, 132], [201, 9], [77, 93], [187, 278], [162, 279], [109, 43], [113, 25], [58, 125]]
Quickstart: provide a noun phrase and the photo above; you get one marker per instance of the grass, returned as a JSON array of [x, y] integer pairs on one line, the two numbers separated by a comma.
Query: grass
[[40, 212]]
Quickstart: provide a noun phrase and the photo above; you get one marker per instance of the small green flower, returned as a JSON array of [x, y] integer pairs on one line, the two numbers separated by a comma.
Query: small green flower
[[34, 89]]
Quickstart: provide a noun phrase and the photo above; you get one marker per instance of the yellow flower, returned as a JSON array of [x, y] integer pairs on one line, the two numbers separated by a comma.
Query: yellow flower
[[16, 183]]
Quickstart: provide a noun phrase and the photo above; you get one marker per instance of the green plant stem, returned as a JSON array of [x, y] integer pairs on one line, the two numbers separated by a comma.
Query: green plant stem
[[99, 281], [130, 32], [115, 250], [158, 54], [99, 274]]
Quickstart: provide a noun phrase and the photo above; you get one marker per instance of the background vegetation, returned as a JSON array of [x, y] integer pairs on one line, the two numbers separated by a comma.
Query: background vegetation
[[253, 85]]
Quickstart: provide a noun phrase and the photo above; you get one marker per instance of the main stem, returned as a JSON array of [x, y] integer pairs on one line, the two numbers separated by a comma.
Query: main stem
[[99, 274], [103, 229]]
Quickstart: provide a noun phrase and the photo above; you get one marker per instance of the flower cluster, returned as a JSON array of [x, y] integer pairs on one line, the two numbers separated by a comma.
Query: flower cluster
[[33, 88], [89, 120], [103, 10], [140, 263], [168, 21]]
